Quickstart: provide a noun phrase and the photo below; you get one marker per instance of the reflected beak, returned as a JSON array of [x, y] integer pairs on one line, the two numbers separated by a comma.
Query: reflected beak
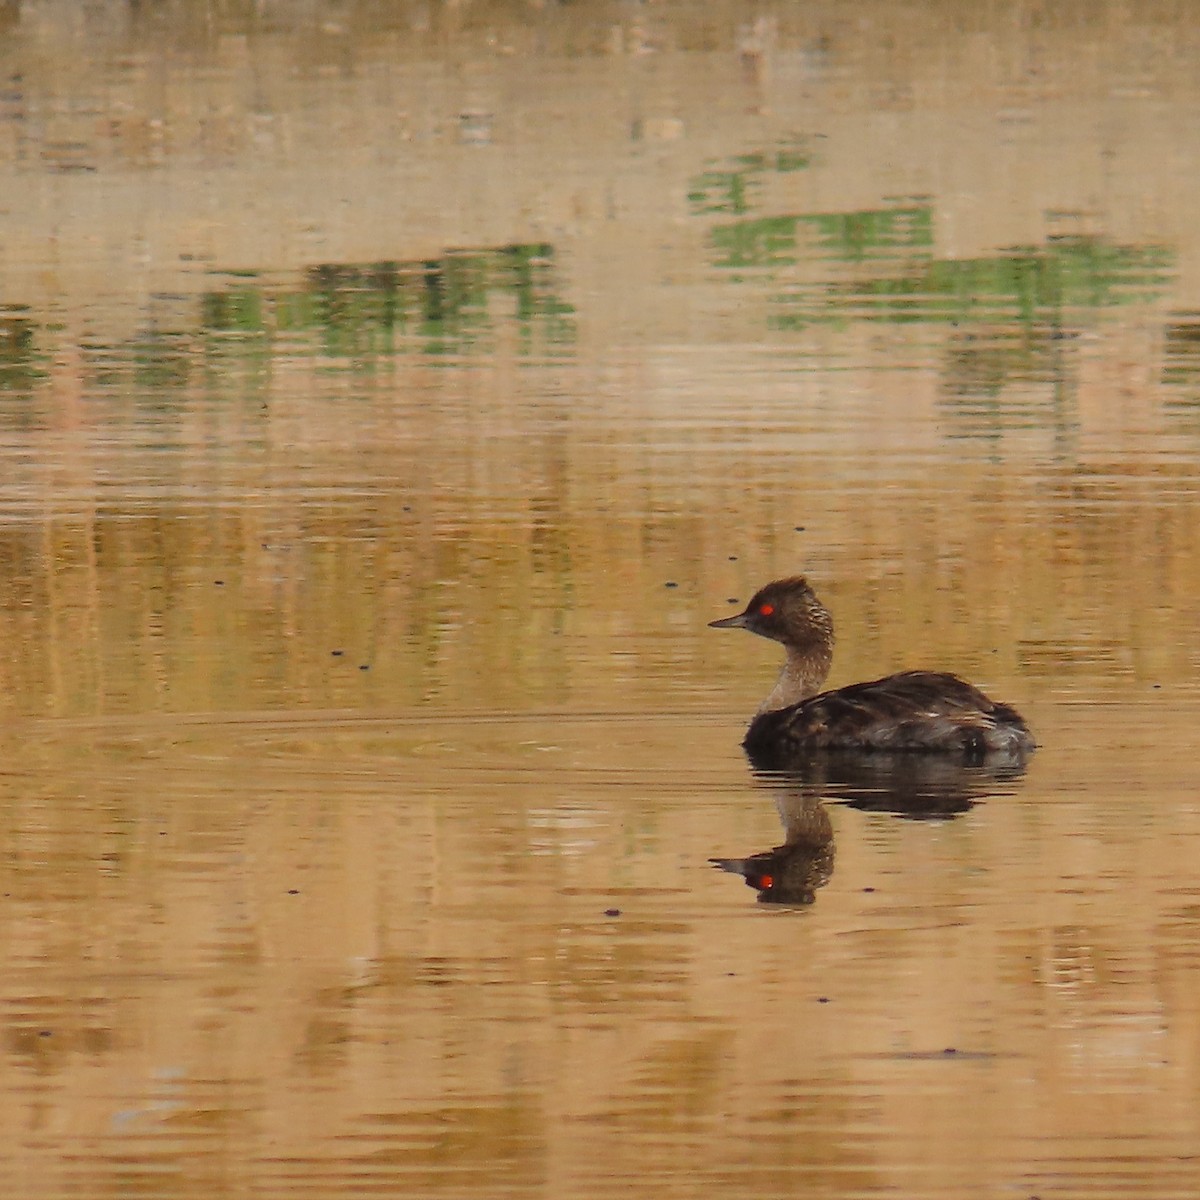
[[738, 622]]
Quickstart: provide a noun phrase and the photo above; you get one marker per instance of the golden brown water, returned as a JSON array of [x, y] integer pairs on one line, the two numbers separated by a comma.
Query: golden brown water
[[389, 399]]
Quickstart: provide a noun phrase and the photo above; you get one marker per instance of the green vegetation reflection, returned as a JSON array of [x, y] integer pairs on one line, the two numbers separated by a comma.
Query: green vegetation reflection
[[731, 186], [1026, 284], [1030, 285], [21, 365], [849, 237], [450, 305]]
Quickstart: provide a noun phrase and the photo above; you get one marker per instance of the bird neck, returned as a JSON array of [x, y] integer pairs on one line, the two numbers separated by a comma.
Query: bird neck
[[802, 676]]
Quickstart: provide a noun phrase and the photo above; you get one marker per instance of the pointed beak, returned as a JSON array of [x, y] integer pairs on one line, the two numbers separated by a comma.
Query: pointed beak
[[738, 622]]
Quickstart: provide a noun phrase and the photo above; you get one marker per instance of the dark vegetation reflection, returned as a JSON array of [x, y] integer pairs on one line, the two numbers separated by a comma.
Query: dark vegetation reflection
[[915, 786], [441, 306]]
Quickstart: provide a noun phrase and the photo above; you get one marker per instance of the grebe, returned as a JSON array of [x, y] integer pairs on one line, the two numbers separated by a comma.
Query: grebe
[[926, 711]]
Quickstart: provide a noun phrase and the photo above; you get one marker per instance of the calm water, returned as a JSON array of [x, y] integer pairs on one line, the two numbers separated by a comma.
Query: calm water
[[387, 403]]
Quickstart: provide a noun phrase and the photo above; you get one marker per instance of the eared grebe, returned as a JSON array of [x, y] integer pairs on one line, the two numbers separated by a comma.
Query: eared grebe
[[914, 711]]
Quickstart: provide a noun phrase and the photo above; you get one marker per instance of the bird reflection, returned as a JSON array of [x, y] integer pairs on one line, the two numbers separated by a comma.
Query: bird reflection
[[920, 786], [791, 873], [916, 786]]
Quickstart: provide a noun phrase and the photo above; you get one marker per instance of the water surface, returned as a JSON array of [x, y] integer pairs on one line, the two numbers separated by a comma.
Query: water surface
[[387, 403]]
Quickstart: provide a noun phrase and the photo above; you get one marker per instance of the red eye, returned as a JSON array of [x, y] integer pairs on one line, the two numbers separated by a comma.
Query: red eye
[[765, 610]]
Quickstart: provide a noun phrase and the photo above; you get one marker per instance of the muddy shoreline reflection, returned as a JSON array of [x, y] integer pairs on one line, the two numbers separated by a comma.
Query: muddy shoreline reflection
[[913, 786]]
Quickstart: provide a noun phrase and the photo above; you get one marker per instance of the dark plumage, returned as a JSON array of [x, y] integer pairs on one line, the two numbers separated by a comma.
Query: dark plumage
[[926, 711], [915, 710]]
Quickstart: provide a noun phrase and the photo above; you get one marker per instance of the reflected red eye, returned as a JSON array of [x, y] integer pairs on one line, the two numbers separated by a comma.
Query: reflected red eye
[[765, 610]]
